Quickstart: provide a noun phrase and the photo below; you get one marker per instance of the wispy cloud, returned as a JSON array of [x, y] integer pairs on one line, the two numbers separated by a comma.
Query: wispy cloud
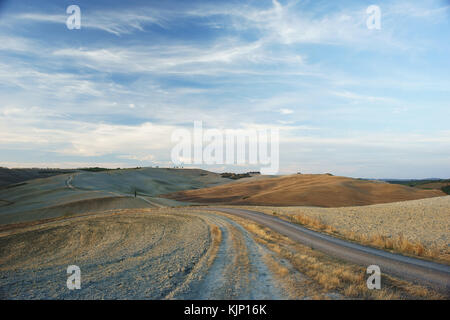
[[112, 21], [286, 111], [176, 59], [340, 94]]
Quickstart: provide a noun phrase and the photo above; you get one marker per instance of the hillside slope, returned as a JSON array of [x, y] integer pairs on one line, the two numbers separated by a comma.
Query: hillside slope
[[85, 191], [12, 176], [148, 181], [305, 190]]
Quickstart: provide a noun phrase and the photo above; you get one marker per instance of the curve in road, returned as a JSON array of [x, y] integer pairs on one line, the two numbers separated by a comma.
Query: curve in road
[[408, 268]]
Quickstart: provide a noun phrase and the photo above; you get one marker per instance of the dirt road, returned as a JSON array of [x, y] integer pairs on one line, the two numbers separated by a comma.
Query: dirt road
[[415, 270]]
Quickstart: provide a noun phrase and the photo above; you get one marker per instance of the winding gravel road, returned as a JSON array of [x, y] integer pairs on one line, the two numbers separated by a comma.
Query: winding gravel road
[[416, 270]]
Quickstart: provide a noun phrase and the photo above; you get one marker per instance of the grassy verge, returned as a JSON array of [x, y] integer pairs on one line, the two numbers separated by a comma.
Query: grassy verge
[[331, 275], [397, 243]]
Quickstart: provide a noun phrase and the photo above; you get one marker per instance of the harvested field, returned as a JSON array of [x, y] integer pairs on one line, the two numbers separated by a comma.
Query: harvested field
[[418, 227], [85, 191], [319, 190], [116, 252], [133, 254], [74, 208], [9, 177]]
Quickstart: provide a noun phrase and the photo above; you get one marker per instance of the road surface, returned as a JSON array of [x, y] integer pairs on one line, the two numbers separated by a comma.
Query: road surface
[[412, 269]]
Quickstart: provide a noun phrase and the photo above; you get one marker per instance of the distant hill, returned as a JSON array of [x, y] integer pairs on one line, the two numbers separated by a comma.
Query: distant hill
[[427, 184], [13, 176], [147, 181], [320, 190], [82, 191]]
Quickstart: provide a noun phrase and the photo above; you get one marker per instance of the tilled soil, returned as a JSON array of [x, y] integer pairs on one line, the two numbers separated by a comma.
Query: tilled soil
[[135, 254]]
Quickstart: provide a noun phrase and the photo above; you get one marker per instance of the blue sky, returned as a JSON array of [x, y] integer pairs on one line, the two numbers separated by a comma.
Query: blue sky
[[346, 99]]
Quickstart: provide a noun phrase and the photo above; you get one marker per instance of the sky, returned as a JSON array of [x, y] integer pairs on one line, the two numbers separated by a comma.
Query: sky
[[346, 99]]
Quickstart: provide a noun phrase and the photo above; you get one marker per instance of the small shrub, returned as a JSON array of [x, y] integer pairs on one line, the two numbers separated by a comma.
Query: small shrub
[[446, 189]]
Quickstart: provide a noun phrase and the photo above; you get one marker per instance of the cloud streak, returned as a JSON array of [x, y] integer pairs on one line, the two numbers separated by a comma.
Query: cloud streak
[[116, 89]]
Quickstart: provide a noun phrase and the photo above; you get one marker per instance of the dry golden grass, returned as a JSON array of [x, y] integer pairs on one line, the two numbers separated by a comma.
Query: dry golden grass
[[332, 275], [398, 243], [312, 222], [295, 286], [216, 236], [418, 228], [305, 190]]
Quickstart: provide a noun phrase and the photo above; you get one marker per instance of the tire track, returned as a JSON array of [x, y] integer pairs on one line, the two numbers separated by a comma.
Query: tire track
[[239, 271]]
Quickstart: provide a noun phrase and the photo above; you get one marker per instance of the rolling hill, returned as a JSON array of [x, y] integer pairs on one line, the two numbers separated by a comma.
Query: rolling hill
[[15, 176], [89, 191], [319, 190]]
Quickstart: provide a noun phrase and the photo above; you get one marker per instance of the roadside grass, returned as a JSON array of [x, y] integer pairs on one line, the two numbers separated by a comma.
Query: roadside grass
[[333, 275], [295, 285], [398, 243], [216, 236]]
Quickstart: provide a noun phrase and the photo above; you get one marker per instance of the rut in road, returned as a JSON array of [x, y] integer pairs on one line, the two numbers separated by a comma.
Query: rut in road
[[238, 271]]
